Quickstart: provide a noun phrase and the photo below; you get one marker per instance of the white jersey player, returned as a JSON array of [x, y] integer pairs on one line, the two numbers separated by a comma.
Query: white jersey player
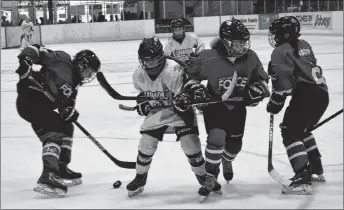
[[27, 32], [182, 45], [159, 76]]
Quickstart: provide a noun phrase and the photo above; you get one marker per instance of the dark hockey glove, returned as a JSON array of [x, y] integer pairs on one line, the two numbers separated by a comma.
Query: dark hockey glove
[[25, 67], [197, 92], [143, 108], [276, 103], [69, 114], [183, 101], [255, 93]]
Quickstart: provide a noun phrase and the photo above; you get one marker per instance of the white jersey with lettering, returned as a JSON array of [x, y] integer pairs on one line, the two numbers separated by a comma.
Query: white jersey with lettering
[[168, 83], [190, 44]]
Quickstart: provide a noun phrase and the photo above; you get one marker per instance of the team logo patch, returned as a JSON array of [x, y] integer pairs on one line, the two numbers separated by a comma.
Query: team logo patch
[[66, 90]]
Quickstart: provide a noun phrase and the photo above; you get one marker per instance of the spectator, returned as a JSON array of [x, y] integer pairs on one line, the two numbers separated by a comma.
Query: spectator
[[141, 15], [4, 22], [116, 17], [111, 18], [42, 20], [101, 17]]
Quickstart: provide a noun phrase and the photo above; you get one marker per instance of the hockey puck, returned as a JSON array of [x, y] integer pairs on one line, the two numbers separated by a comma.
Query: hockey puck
[[117, 184]]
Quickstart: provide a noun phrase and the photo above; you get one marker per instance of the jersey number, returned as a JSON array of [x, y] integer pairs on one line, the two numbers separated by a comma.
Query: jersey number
[[317, 75]]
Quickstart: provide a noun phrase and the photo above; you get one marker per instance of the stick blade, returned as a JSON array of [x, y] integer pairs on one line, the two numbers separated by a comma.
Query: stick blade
[[127, 108], [107, 87]]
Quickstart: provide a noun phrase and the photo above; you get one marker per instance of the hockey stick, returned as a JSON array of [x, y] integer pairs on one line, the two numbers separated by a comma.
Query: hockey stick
[[327, 119], [273, 173], [133, 108], [115, 95], [122, 164]]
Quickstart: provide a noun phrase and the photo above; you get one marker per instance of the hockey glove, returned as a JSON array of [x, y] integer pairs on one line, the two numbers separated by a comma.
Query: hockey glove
[[197, 92], [276, 103], [183, 102], [143, 108], [69, 114], [255, 93], [25, 67]]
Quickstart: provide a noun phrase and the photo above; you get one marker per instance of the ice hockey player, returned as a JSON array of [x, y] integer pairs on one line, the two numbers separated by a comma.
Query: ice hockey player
[[159, 76], [27, 32], [60, 76], [181, 45], [294, 72], [225, 121]]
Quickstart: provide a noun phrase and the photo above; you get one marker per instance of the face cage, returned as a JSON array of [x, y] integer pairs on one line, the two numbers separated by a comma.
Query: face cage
[[153, 71], [180, 34], [233, 46], [87, 74], [271, 39]]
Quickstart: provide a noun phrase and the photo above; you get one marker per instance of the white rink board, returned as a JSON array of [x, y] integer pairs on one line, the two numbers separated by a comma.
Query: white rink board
[[171, 184]]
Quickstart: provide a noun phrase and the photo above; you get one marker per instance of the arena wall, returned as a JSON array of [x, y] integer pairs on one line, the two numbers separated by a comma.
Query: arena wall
[[316, 23]]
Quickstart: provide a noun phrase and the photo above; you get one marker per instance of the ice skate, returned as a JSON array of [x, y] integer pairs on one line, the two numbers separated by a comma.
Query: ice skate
[[227, 170], [210, 185], [68, 177], [301, 183], [48, 185], [136, 186], [317, 171]]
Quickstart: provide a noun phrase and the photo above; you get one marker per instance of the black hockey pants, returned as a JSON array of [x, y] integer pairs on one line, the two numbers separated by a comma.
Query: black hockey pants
[[225, 129], [306, 107], [55, 134]]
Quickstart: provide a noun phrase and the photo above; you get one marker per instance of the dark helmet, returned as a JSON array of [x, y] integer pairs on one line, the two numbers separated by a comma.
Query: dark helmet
[[178, 24], [88, 64], [236, 37], [151, 55], [284, 29]]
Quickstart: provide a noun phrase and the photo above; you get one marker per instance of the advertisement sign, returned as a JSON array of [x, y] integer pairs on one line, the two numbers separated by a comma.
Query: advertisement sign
[[313, 20], [164, 25], [266, 19], [250, 21]]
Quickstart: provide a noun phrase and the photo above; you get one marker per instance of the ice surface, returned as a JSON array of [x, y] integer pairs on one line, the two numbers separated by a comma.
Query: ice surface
[[171, 183]]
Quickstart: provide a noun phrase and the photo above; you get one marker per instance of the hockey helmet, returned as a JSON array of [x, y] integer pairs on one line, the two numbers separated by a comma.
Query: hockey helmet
[[178, 28], [284, 29], [88, 64], [235, 36], [151, 56]]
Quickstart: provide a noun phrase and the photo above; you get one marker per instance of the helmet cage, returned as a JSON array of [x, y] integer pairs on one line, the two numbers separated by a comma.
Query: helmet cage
[[153, 66], [236, 48]]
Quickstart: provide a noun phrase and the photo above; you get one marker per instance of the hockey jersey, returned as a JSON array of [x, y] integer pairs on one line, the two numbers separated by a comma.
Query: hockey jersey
[[57, 74], [287, 69], [190, 44], [218, 70], [168, 83]]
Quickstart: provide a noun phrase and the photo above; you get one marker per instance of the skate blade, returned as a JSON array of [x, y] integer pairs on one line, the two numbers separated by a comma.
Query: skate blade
[[202, 198], [318, 178], [47, 190], [69, 182], [299, 190], [136, 192]]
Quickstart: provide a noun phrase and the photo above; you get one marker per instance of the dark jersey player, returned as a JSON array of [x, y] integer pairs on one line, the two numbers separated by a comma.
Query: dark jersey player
[[294, 72], [225, 121], [60, 76]]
